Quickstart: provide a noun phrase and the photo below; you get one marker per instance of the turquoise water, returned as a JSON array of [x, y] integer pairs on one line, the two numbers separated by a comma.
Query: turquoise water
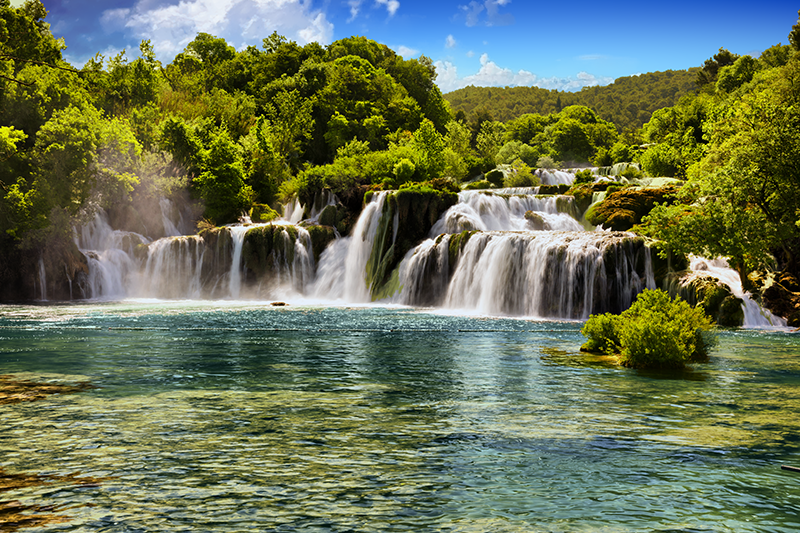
[[226, 416]]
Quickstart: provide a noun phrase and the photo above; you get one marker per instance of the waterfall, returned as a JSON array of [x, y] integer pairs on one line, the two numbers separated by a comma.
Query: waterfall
[[555, 177], [170, 229], [343, 265], [42, 281], [235, 277], [173, 268], [755, 316], [537, 274], [478, 210], [110, 255]]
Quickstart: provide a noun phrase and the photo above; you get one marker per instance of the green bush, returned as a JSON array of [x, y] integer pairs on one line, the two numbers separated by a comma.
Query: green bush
[[520, 175], [584, 176], [655, 332], [495, 177]]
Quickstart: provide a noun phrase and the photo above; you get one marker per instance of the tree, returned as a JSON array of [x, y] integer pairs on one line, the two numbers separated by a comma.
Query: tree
[[708, 74], [221, 183], [794, 35], [743, 197], [429, 145]]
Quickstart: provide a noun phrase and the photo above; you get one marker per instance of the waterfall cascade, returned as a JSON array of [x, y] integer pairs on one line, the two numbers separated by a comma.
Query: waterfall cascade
[[499, 252]]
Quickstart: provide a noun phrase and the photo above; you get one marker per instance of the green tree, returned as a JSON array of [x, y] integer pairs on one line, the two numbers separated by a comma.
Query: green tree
[[221, 184], [429, 145]]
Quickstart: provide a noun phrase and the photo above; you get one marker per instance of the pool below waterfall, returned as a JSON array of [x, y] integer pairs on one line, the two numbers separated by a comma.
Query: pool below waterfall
[[239, 416]]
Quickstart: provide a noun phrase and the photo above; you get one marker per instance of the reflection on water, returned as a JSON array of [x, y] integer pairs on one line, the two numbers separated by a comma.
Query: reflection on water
[[320, 419]]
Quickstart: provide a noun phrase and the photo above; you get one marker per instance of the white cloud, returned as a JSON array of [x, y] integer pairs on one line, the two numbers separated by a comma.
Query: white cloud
[[407, 52], [450, 42], [355, 7], [391, 6], [472, 13], [470, 54], [492, 75], [172, 27]]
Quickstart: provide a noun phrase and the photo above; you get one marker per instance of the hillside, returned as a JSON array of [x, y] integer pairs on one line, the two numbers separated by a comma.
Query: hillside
[[628, 102]]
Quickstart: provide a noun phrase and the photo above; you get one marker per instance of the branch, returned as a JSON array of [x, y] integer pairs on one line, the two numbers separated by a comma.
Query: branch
[[16, 81], [42, 63]]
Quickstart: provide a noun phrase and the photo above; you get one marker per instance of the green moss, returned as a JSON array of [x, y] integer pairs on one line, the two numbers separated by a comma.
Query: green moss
[[549, 190], [416, 209], [535, 220], [456, 246], [622, 209], [477, 185], [321, 237]]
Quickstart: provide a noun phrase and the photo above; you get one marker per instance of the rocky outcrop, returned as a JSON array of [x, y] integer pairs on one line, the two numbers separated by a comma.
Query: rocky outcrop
[[782, 297], [407, 218], [54, 270], [706, 291], [623, 209]]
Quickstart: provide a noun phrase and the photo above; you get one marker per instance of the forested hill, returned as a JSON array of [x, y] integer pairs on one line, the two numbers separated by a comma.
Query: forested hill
[[628, 102]]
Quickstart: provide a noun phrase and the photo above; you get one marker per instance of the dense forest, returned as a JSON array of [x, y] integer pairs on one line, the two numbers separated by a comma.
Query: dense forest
[[628, 102], [241, 132]]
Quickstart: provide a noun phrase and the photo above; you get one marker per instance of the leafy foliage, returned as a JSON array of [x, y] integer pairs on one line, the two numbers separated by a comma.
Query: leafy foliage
[[628, 102], [655, 332]]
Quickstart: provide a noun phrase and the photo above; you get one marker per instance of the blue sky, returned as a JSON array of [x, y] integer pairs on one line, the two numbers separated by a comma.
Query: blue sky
[[557, 45]]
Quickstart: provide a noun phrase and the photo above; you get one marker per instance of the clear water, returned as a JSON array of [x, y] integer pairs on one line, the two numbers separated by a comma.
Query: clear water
[[226, 416]]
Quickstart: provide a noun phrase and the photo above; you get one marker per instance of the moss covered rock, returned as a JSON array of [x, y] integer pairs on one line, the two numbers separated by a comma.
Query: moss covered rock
[[782, 297], [622, 209], [714, 297], [535, 221], [413, 211]]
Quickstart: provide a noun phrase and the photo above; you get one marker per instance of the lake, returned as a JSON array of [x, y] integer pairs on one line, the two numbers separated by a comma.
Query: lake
[[234, 416]]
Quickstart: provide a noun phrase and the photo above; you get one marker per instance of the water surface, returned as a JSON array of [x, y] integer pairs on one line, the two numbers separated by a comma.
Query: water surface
[[231, 416]]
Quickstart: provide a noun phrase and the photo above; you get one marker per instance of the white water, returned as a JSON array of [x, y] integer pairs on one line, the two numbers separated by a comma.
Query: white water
[[496, 211], [342, 269], [235, 275], [537, 274], [42, 281], [556, 271], [754, 315], [170, 229]]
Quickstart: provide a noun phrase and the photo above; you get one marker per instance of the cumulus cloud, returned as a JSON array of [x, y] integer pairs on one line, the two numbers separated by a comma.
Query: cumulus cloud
[[171, 27], [450, 42], [391, 6], [492, 75], [486, 13], [407, 52]]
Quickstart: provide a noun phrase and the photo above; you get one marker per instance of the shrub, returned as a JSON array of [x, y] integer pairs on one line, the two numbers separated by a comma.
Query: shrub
[[655, 332], [583, 176], [495, 177], [547, 162], [520, 175]]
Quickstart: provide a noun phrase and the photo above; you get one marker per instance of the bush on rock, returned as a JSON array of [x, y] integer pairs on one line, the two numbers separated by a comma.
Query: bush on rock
[[655, 332]]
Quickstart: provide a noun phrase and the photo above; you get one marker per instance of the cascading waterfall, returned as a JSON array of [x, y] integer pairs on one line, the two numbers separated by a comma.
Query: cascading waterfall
[[170, 229], [235, 276], [173, 268], [497, 211], [342, 267], [503, 252], [42, 281], [754, 315], [538, 274]]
